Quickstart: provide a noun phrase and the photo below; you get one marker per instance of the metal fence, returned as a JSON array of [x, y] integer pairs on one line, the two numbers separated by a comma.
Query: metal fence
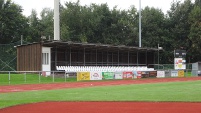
[[33, 77], [36, 77], [168, 66]]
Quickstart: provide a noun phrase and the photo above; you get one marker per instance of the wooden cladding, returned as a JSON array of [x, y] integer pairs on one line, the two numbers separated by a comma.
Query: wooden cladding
[[29, 57]]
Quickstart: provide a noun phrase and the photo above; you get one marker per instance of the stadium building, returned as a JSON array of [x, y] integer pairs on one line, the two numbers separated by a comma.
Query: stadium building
[[45, 56]]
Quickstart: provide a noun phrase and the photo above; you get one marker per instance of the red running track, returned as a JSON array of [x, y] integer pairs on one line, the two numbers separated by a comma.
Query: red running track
[[35, 87], [105, 107]]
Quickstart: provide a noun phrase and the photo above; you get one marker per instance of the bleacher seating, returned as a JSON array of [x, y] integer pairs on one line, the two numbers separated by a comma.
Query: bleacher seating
[[102, 68]]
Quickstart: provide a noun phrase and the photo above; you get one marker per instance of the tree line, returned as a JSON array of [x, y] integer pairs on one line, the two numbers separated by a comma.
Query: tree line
[[179, 28]]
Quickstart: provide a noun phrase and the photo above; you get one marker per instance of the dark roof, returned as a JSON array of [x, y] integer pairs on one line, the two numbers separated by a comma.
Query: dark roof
[[98, 46]]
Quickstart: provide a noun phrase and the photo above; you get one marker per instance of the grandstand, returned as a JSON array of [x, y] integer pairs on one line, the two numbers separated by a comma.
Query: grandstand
[[46, 56]]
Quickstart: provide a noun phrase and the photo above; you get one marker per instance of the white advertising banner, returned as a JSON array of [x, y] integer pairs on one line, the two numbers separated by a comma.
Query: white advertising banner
[[179, 63], [160, 74], [118, 75], [174, 73], [95, 75]]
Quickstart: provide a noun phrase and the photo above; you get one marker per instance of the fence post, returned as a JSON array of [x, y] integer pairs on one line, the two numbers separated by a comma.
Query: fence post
[[53, 76], [39, 77], [65, 76], [25, 78], [9, 77]]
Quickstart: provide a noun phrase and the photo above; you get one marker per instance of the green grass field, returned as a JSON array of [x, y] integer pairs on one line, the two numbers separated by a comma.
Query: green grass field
[[31, 79], [173, 91]]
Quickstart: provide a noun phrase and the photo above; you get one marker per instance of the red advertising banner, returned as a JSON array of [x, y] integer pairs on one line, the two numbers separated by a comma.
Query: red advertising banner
[[128, 75]]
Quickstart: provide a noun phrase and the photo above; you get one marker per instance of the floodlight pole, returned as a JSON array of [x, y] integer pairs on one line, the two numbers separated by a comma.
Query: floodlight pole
[[159, 48], [139, 23], [56, 20]]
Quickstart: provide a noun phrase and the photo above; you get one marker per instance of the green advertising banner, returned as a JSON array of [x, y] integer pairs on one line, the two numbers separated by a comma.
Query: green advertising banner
[[108, 75]]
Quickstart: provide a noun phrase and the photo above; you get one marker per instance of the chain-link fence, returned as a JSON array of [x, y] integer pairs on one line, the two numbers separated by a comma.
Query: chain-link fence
[[8, 56]]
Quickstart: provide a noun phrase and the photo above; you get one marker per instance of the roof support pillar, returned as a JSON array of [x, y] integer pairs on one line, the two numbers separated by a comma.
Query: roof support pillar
[[112, 58], [137, 58], [56, 57], [107, 57], [118, 57], [96, 57], [128, 58], [84, 57], [70, 57], [146, 58]]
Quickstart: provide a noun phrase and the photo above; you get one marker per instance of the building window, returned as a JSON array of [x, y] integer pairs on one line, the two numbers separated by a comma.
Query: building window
[[45, 58]]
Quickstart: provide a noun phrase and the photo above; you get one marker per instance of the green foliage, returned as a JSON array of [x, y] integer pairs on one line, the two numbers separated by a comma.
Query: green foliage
[[97, 24], [12, 22], [152, 30], [195, 31], [35, 28], [178, 29], [47, 22], [158, 92]]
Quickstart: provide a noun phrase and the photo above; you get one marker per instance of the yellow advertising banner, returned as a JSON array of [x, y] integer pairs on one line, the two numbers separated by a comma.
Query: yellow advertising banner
[[181, 73], [83, 76]]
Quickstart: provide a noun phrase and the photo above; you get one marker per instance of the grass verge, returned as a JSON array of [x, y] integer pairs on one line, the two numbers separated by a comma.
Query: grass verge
[[15, 79]]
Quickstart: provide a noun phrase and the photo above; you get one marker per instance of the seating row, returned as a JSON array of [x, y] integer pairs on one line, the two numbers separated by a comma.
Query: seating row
[[102, 68]]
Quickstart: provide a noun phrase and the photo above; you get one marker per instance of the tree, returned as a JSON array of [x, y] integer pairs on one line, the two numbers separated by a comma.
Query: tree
[[47, 23], [179, 27], [152, 27], [195, 31], [12, 22], [71, 21], [35, 28]]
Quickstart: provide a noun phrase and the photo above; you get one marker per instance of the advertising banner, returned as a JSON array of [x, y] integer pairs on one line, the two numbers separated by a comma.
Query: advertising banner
[[179, 63], [127, 75], [137, 74], [181, 73], [145, 74], [167, 73], [153, 74], [83, 76], [108, 75], [118, 75], [95, 75], [174, 73], [160, 74]]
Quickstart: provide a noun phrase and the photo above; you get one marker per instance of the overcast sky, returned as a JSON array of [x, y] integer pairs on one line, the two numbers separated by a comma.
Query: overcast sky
[[38, 5]]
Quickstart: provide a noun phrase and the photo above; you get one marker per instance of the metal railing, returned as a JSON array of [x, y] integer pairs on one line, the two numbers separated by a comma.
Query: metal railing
[[32, 77], [39, 77]]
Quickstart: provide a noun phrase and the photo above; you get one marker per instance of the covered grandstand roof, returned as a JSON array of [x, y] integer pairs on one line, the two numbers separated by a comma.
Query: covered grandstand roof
[[97, 46]]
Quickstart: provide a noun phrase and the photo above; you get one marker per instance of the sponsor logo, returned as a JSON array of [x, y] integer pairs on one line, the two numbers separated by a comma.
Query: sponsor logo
[[95, 75]]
